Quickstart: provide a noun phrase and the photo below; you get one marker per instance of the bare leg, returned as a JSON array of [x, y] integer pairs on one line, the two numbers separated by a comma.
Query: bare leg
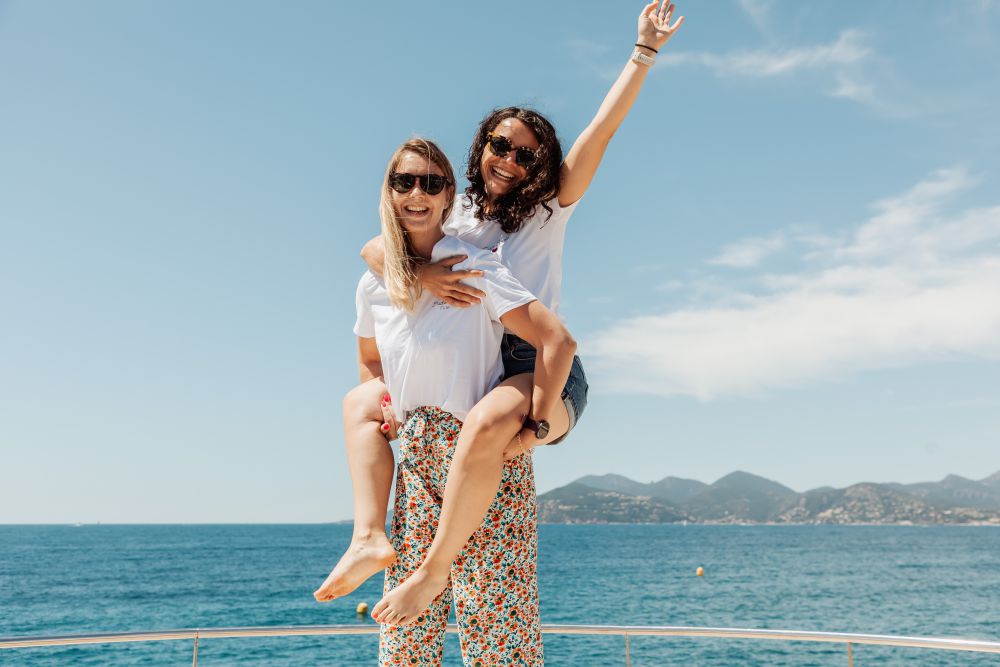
[[473, 481], [369, 458]]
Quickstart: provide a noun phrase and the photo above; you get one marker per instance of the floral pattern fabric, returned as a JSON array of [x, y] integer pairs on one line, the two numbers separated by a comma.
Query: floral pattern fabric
[[494, 583]]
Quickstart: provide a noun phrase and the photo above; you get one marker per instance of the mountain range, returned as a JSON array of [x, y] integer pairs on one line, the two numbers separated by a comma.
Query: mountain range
[[742, 498]]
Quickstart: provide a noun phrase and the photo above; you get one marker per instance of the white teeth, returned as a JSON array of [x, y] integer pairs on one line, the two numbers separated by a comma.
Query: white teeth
[[502, 174], [416, 209]]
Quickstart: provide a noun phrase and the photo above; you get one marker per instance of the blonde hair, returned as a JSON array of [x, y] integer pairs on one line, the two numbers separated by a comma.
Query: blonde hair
[[400, 260]]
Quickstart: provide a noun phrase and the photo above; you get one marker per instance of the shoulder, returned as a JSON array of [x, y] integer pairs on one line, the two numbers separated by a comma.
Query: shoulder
[[462, 208], [558, 211], [556, 206], [369, 284], [462, 212], [453, 245], [463, 203]]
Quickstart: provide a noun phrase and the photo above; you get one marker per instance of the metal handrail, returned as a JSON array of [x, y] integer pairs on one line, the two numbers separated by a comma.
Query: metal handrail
[[941, 643]]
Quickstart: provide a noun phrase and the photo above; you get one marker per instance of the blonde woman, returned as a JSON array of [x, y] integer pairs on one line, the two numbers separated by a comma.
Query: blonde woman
[[437, 362]]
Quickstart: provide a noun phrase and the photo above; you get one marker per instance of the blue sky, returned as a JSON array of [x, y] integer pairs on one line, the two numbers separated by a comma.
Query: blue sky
[[787, 264]]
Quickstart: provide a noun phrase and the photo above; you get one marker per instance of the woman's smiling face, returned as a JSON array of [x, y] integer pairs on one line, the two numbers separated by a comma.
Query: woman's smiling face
[[416, 210], [503, 174]]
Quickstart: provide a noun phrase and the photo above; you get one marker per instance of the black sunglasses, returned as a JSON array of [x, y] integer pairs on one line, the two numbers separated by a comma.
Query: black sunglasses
[[432, 184], [500, 145]]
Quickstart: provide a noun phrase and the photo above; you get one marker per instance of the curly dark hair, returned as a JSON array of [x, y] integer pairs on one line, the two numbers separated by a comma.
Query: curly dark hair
[[541, 183]]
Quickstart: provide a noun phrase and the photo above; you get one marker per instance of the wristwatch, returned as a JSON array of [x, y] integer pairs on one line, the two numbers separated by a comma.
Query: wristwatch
[[541, 428], [641, 58]]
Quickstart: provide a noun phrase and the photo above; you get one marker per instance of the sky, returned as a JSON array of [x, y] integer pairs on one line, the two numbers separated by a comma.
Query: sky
[[788, 263]]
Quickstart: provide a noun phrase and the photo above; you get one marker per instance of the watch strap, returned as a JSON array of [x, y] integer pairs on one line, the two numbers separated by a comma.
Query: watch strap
[[642, 59], [537, 427]]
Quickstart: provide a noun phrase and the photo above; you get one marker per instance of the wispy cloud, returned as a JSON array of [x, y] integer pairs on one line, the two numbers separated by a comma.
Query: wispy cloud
[[847, 68], [889, 97], [759, 12], [592, 55], [749, 252], [848, 49], [851, 87], [913, 284]]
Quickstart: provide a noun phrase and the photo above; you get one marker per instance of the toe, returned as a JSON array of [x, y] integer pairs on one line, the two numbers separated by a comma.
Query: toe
[[383, 616]]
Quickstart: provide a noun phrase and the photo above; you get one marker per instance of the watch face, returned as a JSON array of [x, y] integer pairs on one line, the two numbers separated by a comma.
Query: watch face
[[543, 430]]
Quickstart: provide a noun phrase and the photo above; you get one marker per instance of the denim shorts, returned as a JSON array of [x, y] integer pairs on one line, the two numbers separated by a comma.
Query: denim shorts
[[519, 357]]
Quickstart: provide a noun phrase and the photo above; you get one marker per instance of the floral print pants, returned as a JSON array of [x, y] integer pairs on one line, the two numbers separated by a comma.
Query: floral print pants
[[493, 580]]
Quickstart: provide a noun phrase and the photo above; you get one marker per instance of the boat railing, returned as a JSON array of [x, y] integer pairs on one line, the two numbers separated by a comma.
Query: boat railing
[[849, 640]]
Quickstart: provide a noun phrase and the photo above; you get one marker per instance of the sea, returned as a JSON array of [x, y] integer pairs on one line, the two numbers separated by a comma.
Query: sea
[[899, 580]]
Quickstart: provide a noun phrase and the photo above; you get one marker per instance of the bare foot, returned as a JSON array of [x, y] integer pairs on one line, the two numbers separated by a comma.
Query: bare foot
[[362, 559], [403, 604]]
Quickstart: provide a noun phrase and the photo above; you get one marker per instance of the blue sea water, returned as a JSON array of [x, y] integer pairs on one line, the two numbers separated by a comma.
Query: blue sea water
[[941, 581]]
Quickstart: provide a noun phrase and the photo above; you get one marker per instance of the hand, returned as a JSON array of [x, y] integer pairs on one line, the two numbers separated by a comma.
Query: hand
[[654, 25], [390, 427], [447, 285], [522, 443]]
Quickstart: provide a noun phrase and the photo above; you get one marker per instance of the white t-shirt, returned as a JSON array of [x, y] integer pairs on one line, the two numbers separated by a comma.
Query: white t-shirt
[[533, 253], [438, 355]]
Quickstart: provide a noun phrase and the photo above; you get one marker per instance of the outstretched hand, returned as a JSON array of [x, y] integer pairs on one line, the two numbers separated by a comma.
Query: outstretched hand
[[654, 24], [446, 284]]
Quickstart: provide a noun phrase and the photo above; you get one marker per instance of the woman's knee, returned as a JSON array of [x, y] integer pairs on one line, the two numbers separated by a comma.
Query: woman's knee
[[363, 403], [489, 429]]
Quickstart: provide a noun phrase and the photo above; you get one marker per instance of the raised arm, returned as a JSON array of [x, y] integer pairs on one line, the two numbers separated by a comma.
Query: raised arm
[[539, 326], [585, 156], [438, 278]]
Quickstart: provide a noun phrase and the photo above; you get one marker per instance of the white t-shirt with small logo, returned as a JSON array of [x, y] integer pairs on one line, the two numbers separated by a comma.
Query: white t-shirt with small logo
[[438, 355], [533, 253]]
